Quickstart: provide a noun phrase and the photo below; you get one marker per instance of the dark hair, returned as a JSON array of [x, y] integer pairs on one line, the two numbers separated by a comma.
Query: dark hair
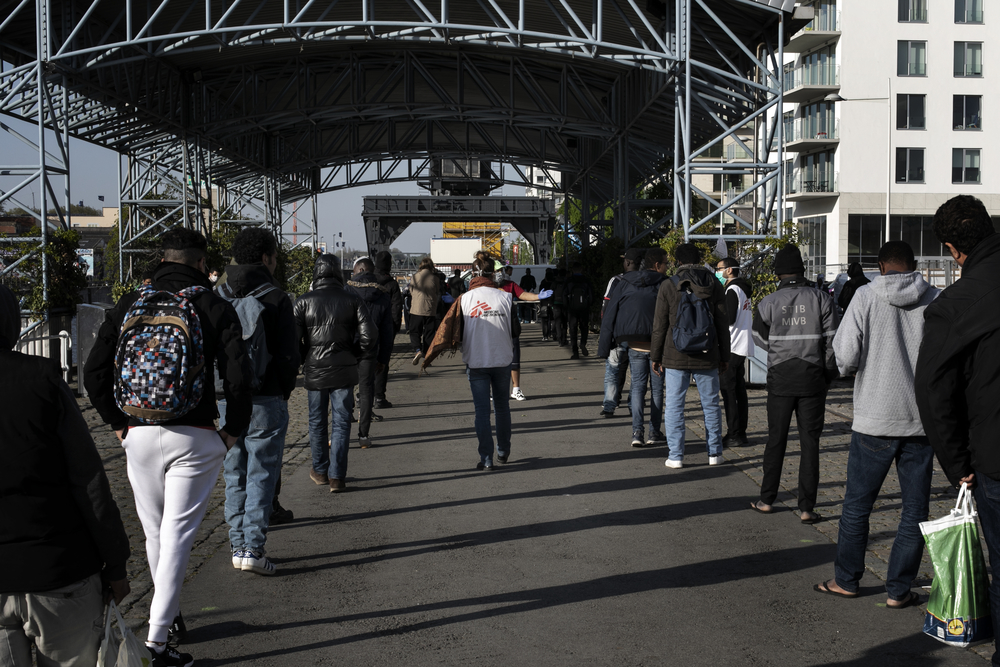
[[251, 243], [483, 266], [653, 257], [687, 253], [365, 264], [426, 263], [549, 273], [963, 222], [730, 263], [184, 246], [457, 271], [897, 252], [527, 272]]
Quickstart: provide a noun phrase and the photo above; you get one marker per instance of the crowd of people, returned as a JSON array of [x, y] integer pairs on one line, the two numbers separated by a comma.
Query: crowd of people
[[922, 360]]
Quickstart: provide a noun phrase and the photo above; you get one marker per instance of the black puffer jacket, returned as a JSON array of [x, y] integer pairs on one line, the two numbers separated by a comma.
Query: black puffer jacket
[[376, 298], [279, 327], [383, 268], [327, 320], [628, 313], [223, 344]]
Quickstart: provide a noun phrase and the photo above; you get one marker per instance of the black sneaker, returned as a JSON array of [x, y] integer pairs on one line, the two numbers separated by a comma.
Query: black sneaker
[[280, 515], [502, 459], [381, 404], [170, 657], [177, 632], [656, 438], [484, 466], [637, 440], [574, 356], [376, 418], [607, 415], [584, 351]]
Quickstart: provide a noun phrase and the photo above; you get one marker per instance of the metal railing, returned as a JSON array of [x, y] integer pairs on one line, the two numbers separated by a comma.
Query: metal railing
[[807, 128], [36, 345], [826, 22], [804, 182], [811, 75], [737, 152]]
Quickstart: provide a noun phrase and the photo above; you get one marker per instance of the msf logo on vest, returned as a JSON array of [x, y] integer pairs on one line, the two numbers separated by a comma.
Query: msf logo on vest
[[483, 310]]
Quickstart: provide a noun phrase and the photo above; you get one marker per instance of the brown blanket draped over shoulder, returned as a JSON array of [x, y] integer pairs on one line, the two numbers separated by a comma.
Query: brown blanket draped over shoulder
[[448, 337]]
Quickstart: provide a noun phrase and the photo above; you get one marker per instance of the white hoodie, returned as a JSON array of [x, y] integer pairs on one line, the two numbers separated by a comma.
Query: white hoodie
[[879, 338]]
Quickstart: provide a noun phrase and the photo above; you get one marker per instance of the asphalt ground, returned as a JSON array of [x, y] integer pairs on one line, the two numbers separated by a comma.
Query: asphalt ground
[[581, 549]]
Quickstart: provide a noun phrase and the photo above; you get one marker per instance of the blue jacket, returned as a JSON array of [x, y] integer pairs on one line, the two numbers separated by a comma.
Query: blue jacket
[[628, 315]]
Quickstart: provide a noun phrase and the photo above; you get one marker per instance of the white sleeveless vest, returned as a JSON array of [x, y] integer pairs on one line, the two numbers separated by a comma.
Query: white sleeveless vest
[[740, 334], [486, 339]]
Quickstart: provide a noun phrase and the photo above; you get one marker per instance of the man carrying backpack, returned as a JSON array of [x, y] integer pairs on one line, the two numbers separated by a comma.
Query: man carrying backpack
[[167, 427], [253, 465], [376, 298], [690, 338], [579, 295], [796, 325]]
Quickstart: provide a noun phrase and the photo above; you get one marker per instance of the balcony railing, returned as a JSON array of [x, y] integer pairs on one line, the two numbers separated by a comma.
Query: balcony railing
[[804, 129], [812, 75], [736, 152], [825, 21], [811, 182]]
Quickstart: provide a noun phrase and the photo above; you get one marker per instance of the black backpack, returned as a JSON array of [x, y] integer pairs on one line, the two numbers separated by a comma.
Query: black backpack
[[694, 326], [579, 296]]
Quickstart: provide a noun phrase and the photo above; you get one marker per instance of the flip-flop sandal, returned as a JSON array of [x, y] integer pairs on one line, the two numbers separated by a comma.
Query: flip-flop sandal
[[815, 518], [912, 600], [754, 507], [822, 588]]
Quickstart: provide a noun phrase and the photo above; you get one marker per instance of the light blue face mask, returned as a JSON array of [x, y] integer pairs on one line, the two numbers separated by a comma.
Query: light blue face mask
[[722, 279]]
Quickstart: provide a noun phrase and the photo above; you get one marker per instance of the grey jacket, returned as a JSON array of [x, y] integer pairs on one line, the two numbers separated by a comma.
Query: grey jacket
[[879, 338], [796, 325]]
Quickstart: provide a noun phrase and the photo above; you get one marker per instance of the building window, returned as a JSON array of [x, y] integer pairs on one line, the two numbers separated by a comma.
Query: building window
[[909, 165], [910, 112], [539, 179], [911, 58], [968, 11], [968, 58], [913, 11], [965, 165], [918, 232], [865, 234], [966, 112], [812, 242]]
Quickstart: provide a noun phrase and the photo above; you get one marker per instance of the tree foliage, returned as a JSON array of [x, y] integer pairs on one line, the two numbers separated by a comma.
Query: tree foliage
[[67, 276]]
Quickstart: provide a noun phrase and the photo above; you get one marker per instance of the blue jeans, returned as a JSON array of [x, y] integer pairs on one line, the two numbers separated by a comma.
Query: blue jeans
[[614, 377], [676, 383], [987, 495], [251, 471], [480, 381], [320, 403], [868, 463], [641, 368]]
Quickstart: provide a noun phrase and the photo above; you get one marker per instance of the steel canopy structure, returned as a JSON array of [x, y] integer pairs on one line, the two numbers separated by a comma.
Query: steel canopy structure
[[240, 107]]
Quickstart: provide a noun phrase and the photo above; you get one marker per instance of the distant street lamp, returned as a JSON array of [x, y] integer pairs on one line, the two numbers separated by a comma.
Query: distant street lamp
[[834, 97]]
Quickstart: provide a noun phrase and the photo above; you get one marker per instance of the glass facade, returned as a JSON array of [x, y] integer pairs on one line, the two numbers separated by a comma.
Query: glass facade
[[967, 112], [866, 234], [812, 243], [910, 112], [911, 58]]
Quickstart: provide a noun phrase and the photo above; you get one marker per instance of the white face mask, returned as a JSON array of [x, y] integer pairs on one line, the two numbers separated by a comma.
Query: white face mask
[[213, 279]]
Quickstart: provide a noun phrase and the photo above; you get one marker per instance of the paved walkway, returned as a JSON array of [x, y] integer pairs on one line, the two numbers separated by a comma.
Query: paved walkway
[[581, 549]]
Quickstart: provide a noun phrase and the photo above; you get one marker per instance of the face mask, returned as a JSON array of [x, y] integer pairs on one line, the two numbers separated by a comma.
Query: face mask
[[722, 278], [213, 279]]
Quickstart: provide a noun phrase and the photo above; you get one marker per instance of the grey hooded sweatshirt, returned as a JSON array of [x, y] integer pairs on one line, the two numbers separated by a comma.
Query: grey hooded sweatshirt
[[879, 338]]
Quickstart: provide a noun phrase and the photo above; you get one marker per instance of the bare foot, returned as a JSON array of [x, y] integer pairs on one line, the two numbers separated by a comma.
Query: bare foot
[[762, 507], [831, 588]]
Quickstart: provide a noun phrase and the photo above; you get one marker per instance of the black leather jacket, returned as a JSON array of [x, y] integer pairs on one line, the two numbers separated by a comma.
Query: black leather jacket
[[326, 321]]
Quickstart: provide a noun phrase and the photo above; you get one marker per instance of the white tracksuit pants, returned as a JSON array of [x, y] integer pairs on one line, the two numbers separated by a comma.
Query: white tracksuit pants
[[172, 471]]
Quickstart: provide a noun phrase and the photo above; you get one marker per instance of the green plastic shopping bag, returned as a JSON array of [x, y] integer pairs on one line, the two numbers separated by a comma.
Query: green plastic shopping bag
[[958, 611]]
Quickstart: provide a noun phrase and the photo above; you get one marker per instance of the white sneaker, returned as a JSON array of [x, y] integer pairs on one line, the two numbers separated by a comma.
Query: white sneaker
[[258, 563], [516, 394], [671, 463], [714, 460], [238, 559]]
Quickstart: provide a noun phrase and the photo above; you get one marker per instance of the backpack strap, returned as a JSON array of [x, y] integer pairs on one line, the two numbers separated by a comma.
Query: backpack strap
[[262, 290]]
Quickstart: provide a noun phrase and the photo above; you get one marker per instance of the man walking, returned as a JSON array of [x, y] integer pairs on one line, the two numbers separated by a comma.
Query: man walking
[[796, 325], [879, 338], [383, 274], [528, 284], [173, 464], [545, 313], [733, 381], [678, 352], [253, 465], [456, 286], [628, 321], [559, 312], [579, 295], [616, 366], [425, 292], [376, 298], [328, 320], [61, 537], [957, 367]]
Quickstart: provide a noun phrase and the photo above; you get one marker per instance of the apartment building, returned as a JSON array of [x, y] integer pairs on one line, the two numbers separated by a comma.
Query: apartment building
[[887, 98]]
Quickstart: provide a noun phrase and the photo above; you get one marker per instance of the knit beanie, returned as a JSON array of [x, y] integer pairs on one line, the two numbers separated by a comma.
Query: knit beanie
[[788, 261]]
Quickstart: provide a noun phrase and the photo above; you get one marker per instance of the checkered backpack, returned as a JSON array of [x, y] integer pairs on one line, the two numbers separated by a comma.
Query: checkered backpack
[[160, 358]]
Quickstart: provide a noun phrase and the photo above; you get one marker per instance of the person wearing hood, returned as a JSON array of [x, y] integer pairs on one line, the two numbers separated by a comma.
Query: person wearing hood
[[383, 275], [182, 455], [328, 321], [856, 279], [425, 290], [677, 367], [879, 338], [376, 298], [733, 381], [62, 540], [795, 325], [628, 322], [253, 465]]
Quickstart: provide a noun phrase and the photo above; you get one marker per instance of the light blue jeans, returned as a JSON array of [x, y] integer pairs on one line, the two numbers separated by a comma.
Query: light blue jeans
[[251, 471], [481, 380], [642, 369], [676, 384], [612, 372], [330, 455]]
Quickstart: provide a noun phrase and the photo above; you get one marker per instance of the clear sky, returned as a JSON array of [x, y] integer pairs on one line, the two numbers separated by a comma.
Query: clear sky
[[94, 172]]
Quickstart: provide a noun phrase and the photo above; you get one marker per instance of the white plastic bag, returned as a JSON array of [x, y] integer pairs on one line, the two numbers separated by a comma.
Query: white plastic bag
[[131, 652], [107, 655]]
